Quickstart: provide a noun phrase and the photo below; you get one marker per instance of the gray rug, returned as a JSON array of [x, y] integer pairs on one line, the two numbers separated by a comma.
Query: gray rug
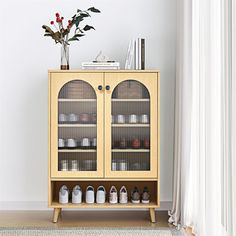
[[135, 231]]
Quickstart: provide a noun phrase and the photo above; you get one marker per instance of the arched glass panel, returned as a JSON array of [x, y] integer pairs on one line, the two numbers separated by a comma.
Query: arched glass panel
[[130, 127], [77, 122]]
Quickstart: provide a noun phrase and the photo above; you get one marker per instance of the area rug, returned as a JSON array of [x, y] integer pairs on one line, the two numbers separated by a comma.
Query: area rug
[[142, 231]]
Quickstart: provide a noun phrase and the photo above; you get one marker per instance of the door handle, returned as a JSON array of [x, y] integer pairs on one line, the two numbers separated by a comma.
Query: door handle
[[107, 87], [100, 87]]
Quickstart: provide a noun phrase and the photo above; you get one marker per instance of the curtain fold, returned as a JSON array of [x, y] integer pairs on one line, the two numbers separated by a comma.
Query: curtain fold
[[233, 118], [201, 190], [182, 106]]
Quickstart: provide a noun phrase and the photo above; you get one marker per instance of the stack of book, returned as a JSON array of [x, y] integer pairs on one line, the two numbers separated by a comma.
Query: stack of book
[[136, 55], [98, 65]]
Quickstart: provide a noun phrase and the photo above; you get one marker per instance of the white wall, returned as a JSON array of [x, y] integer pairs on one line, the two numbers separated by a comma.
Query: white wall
[[25, 56]]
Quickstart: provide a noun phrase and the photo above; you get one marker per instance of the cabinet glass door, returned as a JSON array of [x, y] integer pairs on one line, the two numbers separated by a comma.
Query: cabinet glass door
[[131, 103], [79, 111]]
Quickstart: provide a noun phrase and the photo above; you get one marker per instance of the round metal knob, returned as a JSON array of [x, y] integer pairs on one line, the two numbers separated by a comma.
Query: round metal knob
[[107, 87], [100, 87]]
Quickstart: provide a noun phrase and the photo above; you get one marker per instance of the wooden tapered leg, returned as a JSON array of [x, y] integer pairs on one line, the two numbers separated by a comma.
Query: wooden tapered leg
[[56, 214], [152, 215]]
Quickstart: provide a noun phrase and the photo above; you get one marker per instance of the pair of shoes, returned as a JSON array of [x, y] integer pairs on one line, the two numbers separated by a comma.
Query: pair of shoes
[[135, 196], [64, 195], [113, 196], [100, 196]]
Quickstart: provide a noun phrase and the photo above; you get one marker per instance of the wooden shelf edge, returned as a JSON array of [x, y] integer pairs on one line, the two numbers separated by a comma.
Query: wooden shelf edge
[[103, 180], [130, 125], [77, 125], [105, 205], [77, 150], [103, 71], [130, 150], [77, 100], [130, 100]]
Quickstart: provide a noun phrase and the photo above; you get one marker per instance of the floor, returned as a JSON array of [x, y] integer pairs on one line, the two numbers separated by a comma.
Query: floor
[[83, 219]]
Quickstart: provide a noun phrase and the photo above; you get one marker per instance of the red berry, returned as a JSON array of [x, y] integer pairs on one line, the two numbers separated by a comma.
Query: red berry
[[69, 21], [57, 14], [62, 18], [58, 20], [52, 22]]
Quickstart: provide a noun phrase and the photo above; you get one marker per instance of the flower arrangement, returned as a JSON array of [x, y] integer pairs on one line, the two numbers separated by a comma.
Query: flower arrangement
[[62, 31]]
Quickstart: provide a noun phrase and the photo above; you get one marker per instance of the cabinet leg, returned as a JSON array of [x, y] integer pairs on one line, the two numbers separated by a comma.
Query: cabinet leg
[[152, 215], [56, 213]]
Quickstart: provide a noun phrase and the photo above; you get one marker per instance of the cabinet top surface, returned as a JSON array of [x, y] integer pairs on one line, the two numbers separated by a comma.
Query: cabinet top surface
[[104, 71]]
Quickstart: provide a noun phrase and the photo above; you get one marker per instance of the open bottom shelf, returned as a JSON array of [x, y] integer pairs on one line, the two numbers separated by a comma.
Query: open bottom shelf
[[83, 183]]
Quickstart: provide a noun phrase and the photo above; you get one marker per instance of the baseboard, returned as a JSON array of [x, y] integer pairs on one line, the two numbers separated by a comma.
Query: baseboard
[[43, 206], [23, 205]]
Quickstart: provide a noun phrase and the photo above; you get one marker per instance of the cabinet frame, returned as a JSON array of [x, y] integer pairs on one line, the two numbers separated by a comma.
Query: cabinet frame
[[102, 177]]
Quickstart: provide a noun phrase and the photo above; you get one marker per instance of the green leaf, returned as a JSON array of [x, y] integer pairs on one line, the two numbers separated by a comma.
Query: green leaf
[[81, 31], [79, 35], [84, 15], [93, 9], [78, 10], [87, 13], [48, 35], [88, 27], [77, 20], [73, 39]]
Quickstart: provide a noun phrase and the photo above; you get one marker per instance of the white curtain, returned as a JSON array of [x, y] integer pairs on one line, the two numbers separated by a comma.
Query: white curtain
[[202, 194], [182, 106], [233, 118]]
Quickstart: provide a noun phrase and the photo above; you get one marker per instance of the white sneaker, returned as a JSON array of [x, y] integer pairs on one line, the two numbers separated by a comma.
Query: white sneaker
[[89, 194], [113, 198], [123, 195], [64, 195], [101, 195], [77, 195]]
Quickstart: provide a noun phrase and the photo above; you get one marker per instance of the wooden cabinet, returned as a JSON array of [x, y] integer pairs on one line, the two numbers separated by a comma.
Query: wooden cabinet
[[104, 130]]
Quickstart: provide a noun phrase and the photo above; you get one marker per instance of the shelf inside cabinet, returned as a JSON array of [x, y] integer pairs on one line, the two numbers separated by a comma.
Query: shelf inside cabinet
[[76, 100], [76, 150], [130, 125], [130, 150], [131, 100], [77, 125]]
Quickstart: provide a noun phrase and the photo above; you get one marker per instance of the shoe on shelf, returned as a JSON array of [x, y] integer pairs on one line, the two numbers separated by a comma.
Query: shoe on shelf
[[89, 195], [145, 195], [76, 195], [64, 195], [123, 195], [101, 195], [113, 198], [135, 196]]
